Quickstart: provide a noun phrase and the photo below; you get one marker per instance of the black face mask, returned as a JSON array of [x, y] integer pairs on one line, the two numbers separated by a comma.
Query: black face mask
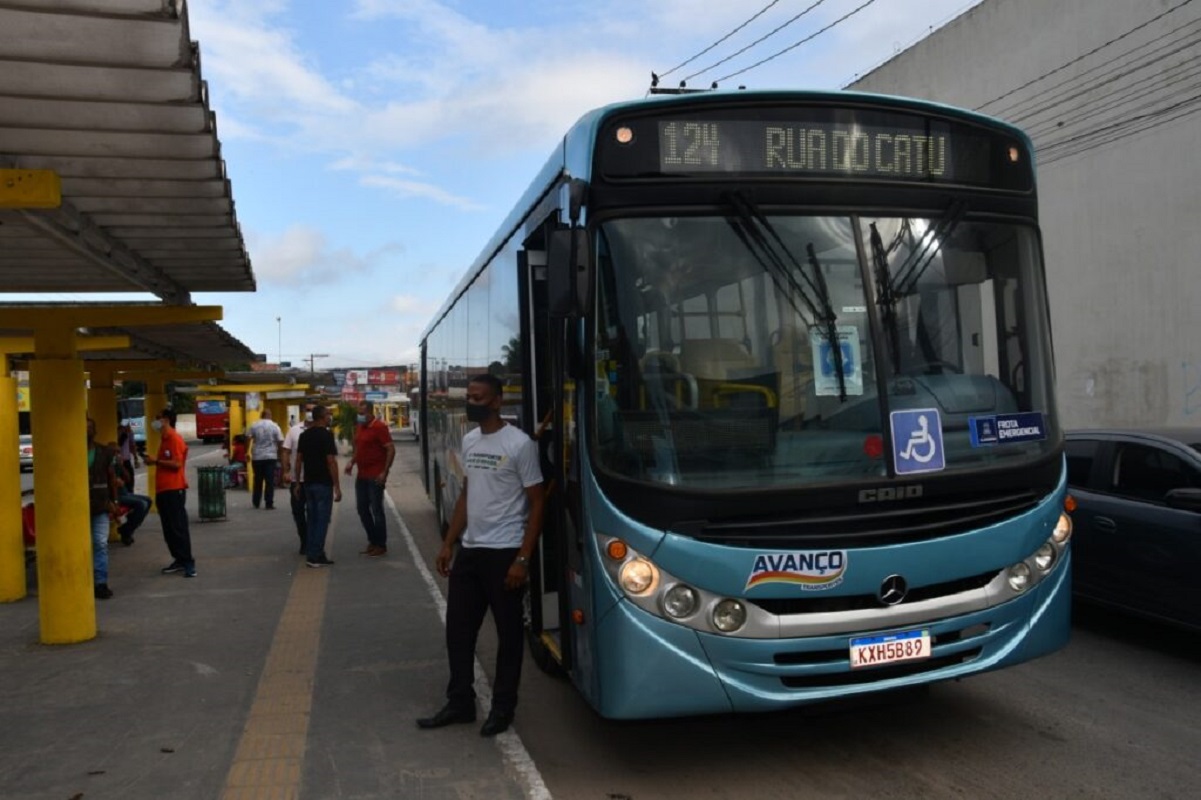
[[478, 413]]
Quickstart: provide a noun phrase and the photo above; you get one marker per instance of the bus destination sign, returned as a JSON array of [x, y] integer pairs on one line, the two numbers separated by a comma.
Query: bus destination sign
[[816, 148]]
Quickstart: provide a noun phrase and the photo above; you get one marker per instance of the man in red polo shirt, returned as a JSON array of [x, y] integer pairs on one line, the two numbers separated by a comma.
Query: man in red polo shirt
[[171, 492], [373, 453]]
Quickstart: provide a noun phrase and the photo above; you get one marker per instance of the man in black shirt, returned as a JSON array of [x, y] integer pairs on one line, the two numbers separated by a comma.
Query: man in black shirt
[[317, 455]]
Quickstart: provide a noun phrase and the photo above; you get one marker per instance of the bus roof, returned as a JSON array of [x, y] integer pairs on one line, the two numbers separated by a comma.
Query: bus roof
[[572, 156]]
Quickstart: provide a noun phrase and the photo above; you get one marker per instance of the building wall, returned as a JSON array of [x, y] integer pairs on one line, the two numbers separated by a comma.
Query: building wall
[[1116, 137]]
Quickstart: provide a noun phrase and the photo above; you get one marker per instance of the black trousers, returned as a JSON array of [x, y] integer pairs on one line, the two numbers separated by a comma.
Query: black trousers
[[264, 481], [173, 513], [477, 584]]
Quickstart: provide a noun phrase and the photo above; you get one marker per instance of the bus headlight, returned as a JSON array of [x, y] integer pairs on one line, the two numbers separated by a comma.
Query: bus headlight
[[1044, 557], [1019, 577], [680, 601], [729, 615], [1063, 529], [639, 576]]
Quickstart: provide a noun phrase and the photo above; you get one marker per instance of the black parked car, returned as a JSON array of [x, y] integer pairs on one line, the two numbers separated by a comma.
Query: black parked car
[[1137, 539]]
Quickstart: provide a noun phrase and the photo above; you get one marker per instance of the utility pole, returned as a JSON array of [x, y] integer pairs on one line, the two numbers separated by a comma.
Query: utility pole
[[313, 357]]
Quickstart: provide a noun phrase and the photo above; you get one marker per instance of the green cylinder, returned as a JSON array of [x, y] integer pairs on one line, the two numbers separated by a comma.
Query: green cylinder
[[212, 492]]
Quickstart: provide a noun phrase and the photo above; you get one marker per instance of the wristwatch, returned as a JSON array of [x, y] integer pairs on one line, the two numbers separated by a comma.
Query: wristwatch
[[522, 560]]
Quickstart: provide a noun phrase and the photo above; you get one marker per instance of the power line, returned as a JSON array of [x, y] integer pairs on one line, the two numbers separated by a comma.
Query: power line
[[1142, 88], [1069, 86], [808, 38], [757, 41], [719, 41], [1080, 58], [1119, 130]]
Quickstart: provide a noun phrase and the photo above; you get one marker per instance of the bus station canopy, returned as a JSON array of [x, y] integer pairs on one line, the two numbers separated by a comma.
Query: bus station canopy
[[108, 95], [195, 344]]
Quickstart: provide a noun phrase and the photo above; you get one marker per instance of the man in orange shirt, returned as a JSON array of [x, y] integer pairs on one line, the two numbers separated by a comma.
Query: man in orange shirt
[[171, 491], [373, 453]]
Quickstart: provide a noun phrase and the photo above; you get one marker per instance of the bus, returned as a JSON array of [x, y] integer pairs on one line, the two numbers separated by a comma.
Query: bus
[[787, 357], [131, 411], [212, 418], [415, 413]]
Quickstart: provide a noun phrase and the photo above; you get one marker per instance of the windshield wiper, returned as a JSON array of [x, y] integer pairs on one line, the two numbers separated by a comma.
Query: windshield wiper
[[918, 260], [831, 321], [886, 300], [751, 233]]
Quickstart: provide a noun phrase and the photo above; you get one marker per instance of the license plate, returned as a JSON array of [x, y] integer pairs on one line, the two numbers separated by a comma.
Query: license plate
[[890, 648]]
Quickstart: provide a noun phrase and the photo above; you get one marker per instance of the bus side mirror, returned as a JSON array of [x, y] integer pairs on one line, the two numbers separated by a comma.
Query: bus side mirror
[[568, 272]]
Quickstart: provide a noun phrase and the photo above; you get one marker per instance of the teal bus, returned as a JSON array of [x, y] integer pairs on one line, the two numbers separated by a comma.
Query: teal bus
[[787, 356]]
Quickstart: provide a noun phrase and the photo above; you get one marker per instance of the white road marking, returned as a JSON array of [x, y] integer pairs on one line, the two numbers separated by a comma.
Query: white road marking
[[510, 744]]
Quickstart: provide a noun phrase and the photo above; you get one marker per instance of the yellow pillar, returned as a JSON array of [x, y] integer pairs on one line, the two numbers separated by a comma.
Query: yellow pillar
[[254, 412], [66, 604], [237, 422], [102, 404], [102, 408], [12, 546], [156, 401]]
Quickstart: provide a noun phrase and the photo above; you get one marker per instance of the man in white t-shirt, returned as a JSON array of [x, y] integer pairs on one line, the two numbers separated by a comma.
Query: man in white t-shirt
[[287, 452], [266, 437], [496, 522]]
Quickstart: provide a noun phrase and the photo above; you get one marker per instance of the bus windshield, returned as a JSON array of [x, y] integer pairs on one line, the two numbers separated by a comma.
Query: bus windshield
[[753, 350]]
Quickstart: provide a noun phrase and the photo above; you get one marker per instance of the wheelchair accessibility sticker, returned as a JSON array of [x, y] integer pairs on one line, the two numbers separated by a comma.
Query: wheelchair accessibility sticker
[[825, 377], [917, 441]]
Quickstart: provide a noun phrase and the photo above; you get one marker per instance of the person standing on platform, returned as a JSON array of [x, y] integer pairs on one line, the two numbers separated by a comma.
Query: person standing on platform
[[373, 454], [317, 458], [289, 459], [265, 437], [102, 506], [498, 516], [171, 494]]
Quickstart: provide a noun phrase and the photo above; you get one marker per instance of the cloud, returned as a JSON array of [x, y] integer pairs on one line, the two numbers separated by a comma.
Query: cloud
[[408, 304], [302, 256], [407, 188]]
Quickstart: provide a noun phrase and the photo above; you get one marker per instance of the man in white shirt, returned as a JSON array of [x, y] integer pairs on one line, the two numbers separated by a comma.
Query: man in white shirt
[[497, 517], [265, 438]]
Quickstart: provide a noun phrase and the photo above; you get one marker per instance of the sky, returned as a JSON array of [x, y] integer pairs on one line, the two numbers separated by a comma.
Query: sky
[[375, 145]]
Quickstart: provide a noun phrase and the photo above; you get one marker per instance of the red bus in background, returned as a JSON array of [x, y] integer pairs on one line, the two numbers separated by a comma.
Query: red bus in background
[[212, 419]]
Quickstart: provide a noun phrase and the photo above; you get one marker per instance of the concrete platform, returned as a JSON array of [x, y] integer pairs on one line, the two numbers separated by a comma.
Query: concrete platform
[[259, 678]]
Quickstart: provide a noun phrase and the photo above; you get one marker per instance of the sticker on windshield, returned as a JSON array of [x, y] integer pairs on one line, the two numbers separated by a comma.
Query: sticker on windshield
[[1007, 429], [811, 570], [825, 369], [917, 441]]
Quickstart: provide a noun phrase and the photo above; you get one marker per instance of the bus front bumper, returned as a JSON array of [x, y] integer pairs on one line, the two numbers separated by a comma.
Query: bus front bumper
[[650, 667]]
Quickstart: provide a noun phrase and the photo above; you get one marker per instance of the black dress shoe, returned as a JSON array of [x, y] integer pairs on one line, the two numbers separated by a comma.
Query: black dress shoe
[[448, 715], [497, 722]]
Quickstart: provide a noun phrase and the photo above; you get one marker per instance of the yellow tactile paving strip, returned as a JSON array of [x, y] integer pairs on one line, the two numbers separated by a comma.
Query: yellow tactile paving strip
[[270, 755]]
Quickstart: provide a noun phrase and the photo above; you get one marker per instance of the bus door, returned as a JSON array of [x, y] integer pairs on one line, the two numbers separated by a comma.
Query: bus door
[[549, 411]]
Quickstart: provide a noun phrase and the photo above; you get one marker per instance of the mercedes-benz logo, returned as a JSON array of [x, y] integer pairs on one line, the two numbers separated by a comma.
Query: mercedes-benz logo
[[893, 590]]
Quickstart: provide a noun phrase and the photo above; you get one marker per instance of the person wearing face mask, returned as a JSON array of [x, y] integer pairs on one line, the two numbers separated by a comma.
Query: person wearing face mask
[[287, 452], [373, 455], [171, 493], [317, 457], [496, 521]]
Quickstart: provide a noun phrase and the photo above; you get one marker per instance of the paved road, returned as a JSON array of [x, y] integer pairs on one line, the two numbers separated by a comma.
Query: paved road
[[1114, 715]]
